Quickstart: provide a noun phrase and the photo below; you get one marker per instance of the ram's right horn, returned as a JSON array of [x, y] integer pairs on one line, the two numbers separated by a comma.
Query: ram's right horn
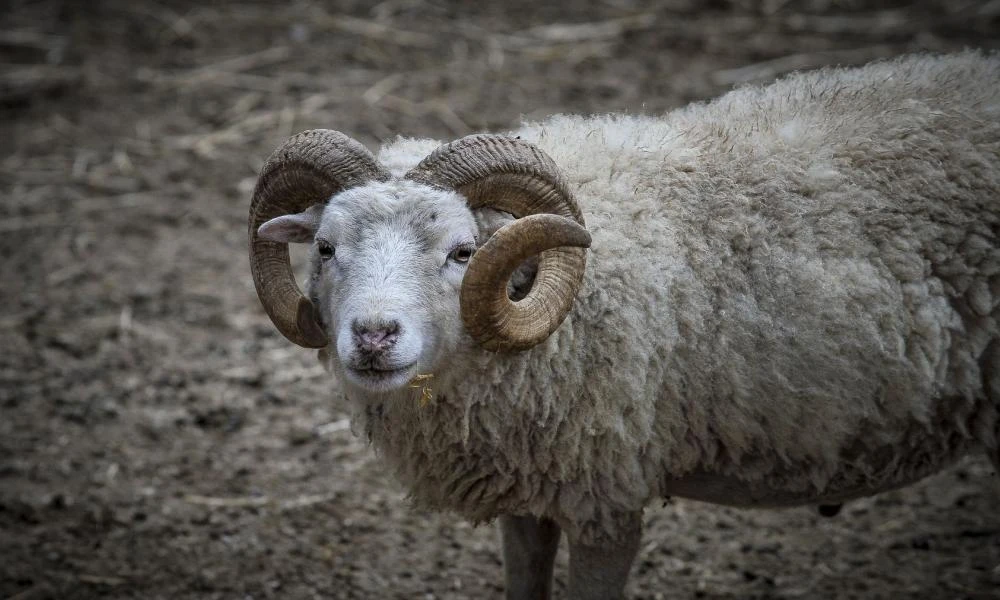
[[306, 170]]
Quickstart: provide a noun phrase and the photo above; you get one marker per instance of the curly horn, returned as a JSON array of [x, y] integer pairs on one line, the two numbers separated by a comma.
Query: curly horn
[[307, 169], [514, 176]]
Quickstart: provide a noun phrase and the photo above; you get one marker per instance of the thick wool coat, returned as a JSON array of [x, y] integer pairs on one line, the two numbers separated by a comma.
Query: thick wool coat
[[791, 297]]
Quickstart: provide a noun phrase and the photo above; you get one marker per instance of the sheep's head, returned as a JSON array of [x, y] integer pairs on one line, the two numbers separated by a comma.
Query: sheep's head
[[399, 275]]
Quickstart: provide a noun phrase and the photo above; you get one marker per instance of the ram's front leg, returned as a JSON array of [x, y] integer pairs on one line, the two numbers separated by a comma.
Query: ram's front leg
[[600, 570], [529, 552]]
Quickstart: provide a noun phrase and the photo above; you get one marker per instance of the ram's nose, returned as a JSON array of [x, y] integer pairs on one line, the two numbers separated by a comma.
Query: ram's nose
[[375, 337]]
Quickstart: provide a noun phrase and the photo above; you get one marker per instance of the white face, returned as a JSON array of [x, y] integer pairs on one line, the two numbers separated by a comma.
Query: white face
[[387, 263]]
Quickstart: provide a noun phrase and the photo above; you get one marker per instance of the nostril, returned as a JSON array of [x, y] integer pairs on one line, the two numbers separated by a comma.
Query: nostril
[[375, 336], [372, 338]]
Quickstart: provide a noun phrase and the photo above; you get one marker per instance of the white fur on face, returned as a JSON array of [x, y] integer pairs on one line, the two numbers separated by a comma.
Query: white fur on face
[[391, 271]]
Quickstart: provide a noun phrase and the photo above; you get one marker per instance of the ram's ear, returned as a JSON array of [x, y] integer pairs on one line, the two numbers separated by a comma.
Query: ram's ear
[[299, 228]]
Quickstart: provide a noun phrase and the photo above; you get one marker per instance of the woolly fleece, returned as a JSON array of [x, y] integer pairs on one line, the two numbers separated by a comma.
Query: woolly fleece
[[791, 297]]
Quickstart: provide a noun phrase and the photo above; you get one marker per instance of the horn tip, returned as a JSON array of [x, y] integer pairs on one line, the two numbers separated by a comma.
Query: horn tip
[[310, 328]]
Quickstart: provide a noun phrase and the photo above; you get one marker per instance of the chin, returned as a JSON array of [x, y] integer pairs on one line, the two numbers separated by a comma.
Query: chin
[[380, 381]]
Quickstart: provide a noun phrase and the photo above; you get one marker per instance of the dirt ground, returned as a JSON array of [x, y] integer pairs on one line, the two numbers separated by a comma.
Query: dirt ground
[[159, 439]]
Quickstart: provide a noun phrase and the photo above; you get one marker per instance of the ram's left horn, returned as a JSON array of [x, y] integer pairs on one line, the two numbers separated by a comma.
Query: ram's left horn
[[514, 176]]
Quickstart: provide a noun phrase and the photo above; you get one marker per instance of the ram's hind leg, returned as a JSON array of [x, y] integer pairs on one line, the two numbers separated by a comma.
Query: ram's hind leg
[[599, 571], [529, 552]]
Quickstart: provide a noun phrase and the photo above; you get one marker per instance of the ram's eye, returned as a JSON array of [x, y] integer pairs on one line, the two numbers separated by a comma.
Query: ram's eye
[[462, 254], [325, 250]]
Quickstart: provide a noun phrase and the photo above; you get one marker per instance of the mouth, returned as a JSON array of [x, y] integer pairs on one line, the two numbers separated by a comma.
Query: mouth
[[380, 379]]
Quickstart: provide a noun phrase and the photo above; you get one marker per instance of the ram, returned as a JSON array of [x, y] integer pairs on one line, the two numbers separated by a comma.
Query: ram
[[785, 296]]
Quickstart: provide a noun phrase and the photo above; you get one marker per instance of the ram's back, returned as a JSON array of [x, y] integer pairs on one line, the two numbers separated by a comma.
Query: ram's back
[[796, 284], [791, 289]]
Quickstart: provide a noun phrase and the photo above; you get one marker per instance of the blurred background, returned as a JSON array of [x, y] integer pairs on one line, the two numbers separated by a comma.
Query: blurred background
[[159, 439]]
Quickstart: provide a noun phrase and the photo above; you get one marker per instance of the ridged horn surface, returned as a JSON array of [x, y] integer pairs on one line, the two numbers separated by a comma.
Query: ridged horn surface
[[514, 176], [306, 170]]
